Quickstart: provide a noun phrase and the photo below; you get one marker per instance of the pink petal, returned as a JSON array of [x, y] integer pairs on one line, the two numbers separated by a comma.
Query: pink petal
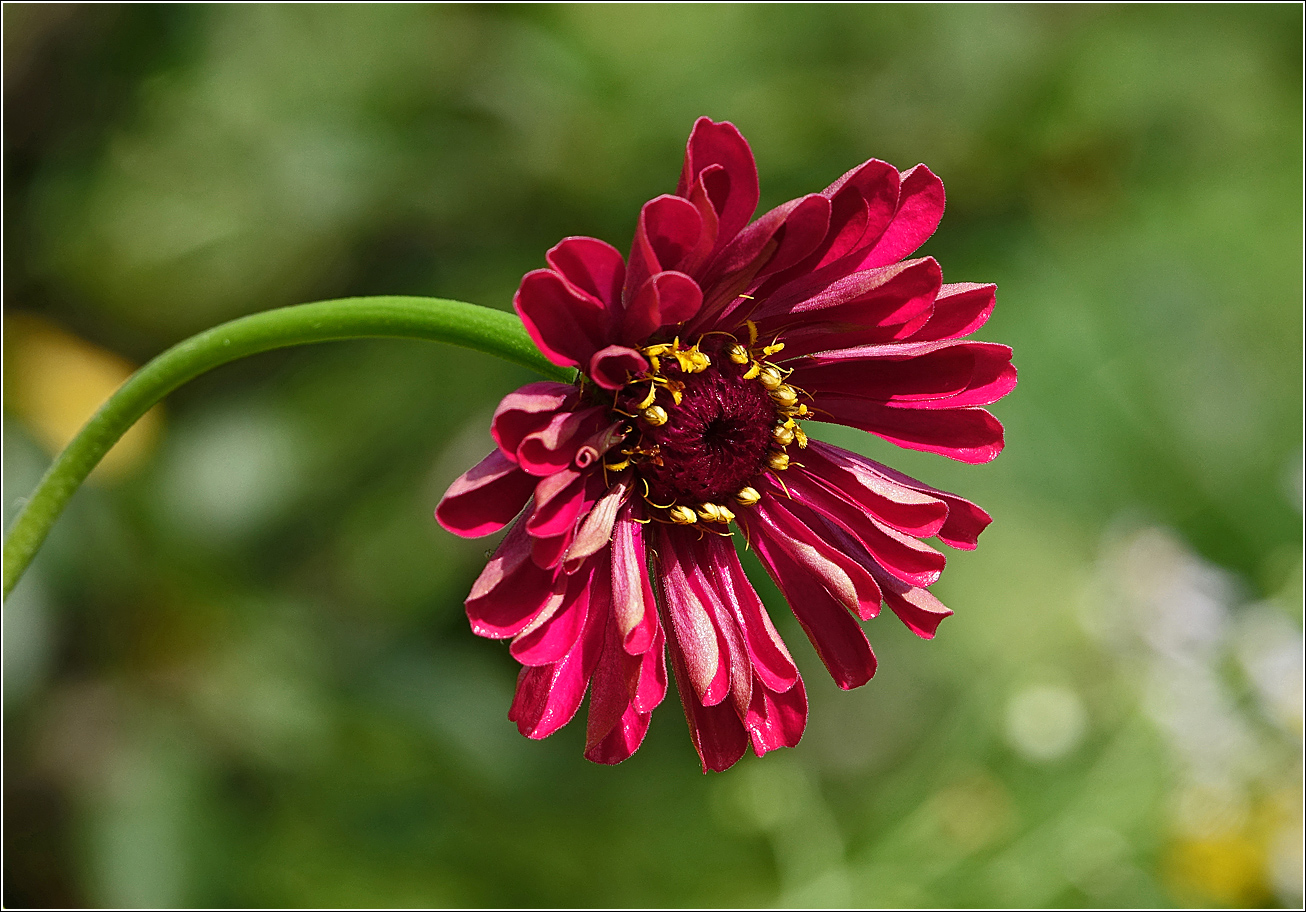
[[613, 367], [485, 498], [969, 435], [920, 209], [558, 501], [594, 267], [566, 324], [554, 447], [624, 690]]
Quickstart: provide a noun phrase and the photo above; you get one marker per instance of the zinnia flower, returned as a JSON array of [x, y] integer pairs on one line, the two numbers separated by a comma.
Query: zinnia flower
[[699, 361]]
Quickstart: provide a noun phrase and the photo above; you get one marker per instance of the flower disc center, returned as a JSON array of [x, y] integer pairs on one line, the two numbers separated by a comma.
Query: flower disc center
[[714, 442]]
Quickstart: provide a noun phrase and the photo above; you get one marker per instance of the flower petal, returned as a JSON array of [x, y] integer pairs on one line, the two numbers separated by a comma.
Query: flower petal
[[512, 590], [860, 481], [548, 696], [528, 410], [485, 498], [554, 447], [612, 367], [776, 719], [594, 267], [551, 634], [836, 636], [692, 631], [569, 326], [769, 655], [666, 299], [959, 310], [596, 530], [920, 209], [916, 608], [734, 192], [943, 375], [718, 735], [968, 435], [633, 607]]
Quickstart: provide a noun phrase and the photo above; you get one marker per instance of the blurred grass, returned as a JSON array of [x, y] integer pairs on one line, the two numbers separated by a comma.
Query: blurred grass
[[241, 676]]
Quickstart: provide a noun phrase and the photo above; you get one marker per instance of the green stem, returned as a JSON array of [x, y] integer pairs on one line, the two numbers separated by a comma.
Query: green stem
[[436, 319]]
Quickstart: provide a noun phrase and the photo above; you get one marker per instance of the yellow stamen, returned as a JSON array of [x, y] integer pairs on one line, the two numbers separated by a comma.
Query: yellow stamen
[[785, 396], [655, 415], [778, 460], [801, 438], [746, 497], [782, 435], [682, 515], [739, 354], [770, 377]]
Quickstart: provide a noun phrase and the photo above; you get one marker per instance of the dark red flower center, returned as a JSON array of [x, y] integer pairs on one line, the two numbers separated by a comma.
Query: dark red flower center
[[713, 442]]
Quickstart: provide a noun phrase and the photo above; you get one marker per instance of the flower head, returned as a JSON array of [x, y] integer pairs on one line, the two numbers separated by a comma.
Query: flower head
[[700, 360]]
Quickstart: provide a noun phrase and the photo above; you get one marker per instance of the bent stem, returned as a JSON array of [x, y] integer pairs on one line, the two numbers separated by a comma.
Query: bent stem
[[435, 319]]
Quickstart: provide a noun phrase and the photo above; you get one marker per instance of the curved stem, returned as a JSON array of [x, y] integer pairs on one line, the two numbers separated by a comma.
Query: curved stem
[[436, 319]]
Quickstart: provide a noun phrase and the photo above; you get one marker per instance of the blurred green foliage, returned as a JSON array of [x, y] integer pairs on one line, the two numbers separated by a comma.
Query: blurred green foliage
[[241, 674]]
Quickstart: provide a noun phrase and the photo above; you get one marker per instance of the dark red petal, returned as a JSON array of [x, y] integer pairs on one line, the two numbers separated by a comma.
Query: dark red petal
[[612, 367], [857, 479], [902, 555], [485, 498], [554, 447], [889, 295], [770, 657], [920, 209], [692, 627], [666, 299], [837, 637], [666, 236], [734, 198], [959, 310], [969, 435], [568, 326], [592, 266], [965, 520], [633, 607], [944, 375], [558, 501]]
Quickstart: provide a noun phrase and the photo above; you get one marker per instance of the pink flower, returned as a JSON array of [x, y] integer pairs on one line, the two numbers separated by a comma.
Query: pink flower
[[699, 360]]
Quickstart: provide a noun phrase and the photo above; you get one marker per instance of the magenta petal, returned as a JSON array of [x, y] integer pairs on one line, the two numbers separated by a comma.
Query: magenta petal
[[776, 719], [526, 411], [548, 695], [959, 310], [633, 608], [735, 197], [485, 498], [965, 520], [618, 718], [594, 267], [769, 655], [717, 732], [920, 209], [969, 435], [916, 608], [511, 590], [551, 634], [558, 501], [691, 625], [612, 367], [837, 637], [566, 324]]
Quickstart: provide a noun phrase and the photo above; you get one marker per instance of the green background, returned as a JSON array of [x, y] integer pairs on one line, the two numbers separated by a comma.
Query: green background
[[240, 674]]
